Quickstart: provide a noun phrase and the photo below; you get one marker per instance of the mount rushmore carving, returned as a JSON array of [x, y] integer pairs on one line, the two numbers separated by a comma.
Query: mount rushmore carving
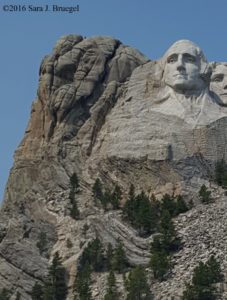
[[103, 110]]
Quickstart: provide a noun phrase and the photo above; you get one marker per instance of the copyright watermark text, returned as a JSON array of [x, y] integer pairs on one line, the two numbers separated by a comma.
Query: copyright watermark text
[[12, 8]]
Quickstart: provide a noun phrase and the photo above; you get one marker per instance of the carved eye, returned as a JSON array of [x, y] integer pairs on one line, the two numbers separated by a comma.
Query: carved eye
[[218, 78], [189, 58], [172, 59]]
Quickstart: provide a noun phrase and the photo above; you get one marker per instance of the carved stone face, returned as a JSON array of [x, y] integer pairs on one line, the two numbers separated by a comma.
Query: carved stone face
[[182, 69], [219, 82]]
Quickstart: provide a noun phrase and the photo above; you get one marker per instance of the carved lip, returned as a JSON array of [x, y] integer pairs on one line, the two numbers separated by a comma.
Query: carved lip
[[224, 94]]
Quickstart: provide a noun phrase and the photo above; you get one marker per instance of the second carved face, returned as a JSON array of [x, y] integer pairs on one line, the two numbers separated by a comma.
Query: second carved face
[[218, 82]]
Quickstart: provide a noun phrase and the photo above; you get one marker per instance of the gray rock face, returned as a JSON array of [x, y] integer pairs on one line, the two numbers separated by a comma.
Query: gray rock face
[[104, 110]]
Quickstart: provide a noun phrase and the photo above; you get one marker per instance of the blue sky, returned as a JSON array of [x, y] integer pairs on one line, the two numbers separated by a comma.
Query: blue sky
[[148, 25]]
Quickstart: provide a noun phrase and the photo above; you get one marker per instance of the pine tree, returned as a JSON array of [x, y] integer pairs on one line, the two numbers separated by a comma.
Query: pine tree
[[159, 261], [160, 264], [221, 173], [42, 242], [74, 211], [137, 285], [105, 199], [18, 296], [129, 208], [170, 241], [55, 285], [132, 192], [119, 261], [4, 294], [181, 206], [74, 185], [109, 256], [93, 255], [141, 213], [37, 292], [144, 221], [116, 197], [97, 190], [203, 280], [162, 246], [83, 283], [215, 273], [74, 181], [204, 194], [168, 203], [111, 292]]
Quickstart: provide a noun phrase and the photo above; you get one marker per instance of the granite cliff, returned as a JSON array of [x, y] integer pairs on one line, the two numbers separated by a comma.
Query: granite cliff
[[103, 111]]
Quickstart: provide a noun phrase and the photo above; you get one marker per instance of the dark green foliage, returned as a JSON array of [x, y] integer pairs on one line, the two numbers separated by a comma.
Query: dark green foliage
[[129, 209], [111, 292], [181, 206], [74, 185], [168, 204], [119, 261], [162, 246], [37, 292], [141, 212], [85, 228], [221, 173], [74, 182], [215, 273], [93, 255], [83, 283], [55, 286], [109, 256], [198, 293], [108, 199], [137, 286], [4, 294], [74, 211], [159, 262], [204, 194], [97, 190], [170, 241], [116, 197], [42, 242], [144, 213], [207, 274], [145, 218], [69, 243], [132, 192], [174, 206], [204, 276]]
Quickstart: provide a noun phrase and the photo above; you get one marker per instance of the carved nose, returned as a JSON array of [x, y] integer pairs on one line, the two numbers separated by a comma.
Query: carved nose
[[180, 67], [180, 64], [225, 83]]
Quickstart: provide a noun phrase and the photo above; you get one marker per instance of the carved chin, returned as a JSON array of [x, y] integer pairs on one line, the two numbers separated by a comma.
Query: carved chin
[[184, 86], [224, 99]]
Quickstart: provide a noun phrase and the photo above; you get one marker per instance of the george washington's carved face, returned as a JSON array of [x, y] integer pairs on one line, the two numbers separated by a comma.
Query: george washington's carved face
[[182, 70], [219, 82]]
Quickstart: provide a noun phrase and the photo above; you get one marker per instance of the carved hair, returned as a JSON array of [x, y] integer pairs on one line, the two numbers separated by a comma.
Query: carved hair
[[214, 64]]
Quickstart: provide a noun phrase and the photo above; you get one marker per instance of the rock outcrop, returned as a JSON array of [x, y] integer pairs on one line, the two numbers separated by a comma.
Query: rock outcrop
[[100, 113]]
